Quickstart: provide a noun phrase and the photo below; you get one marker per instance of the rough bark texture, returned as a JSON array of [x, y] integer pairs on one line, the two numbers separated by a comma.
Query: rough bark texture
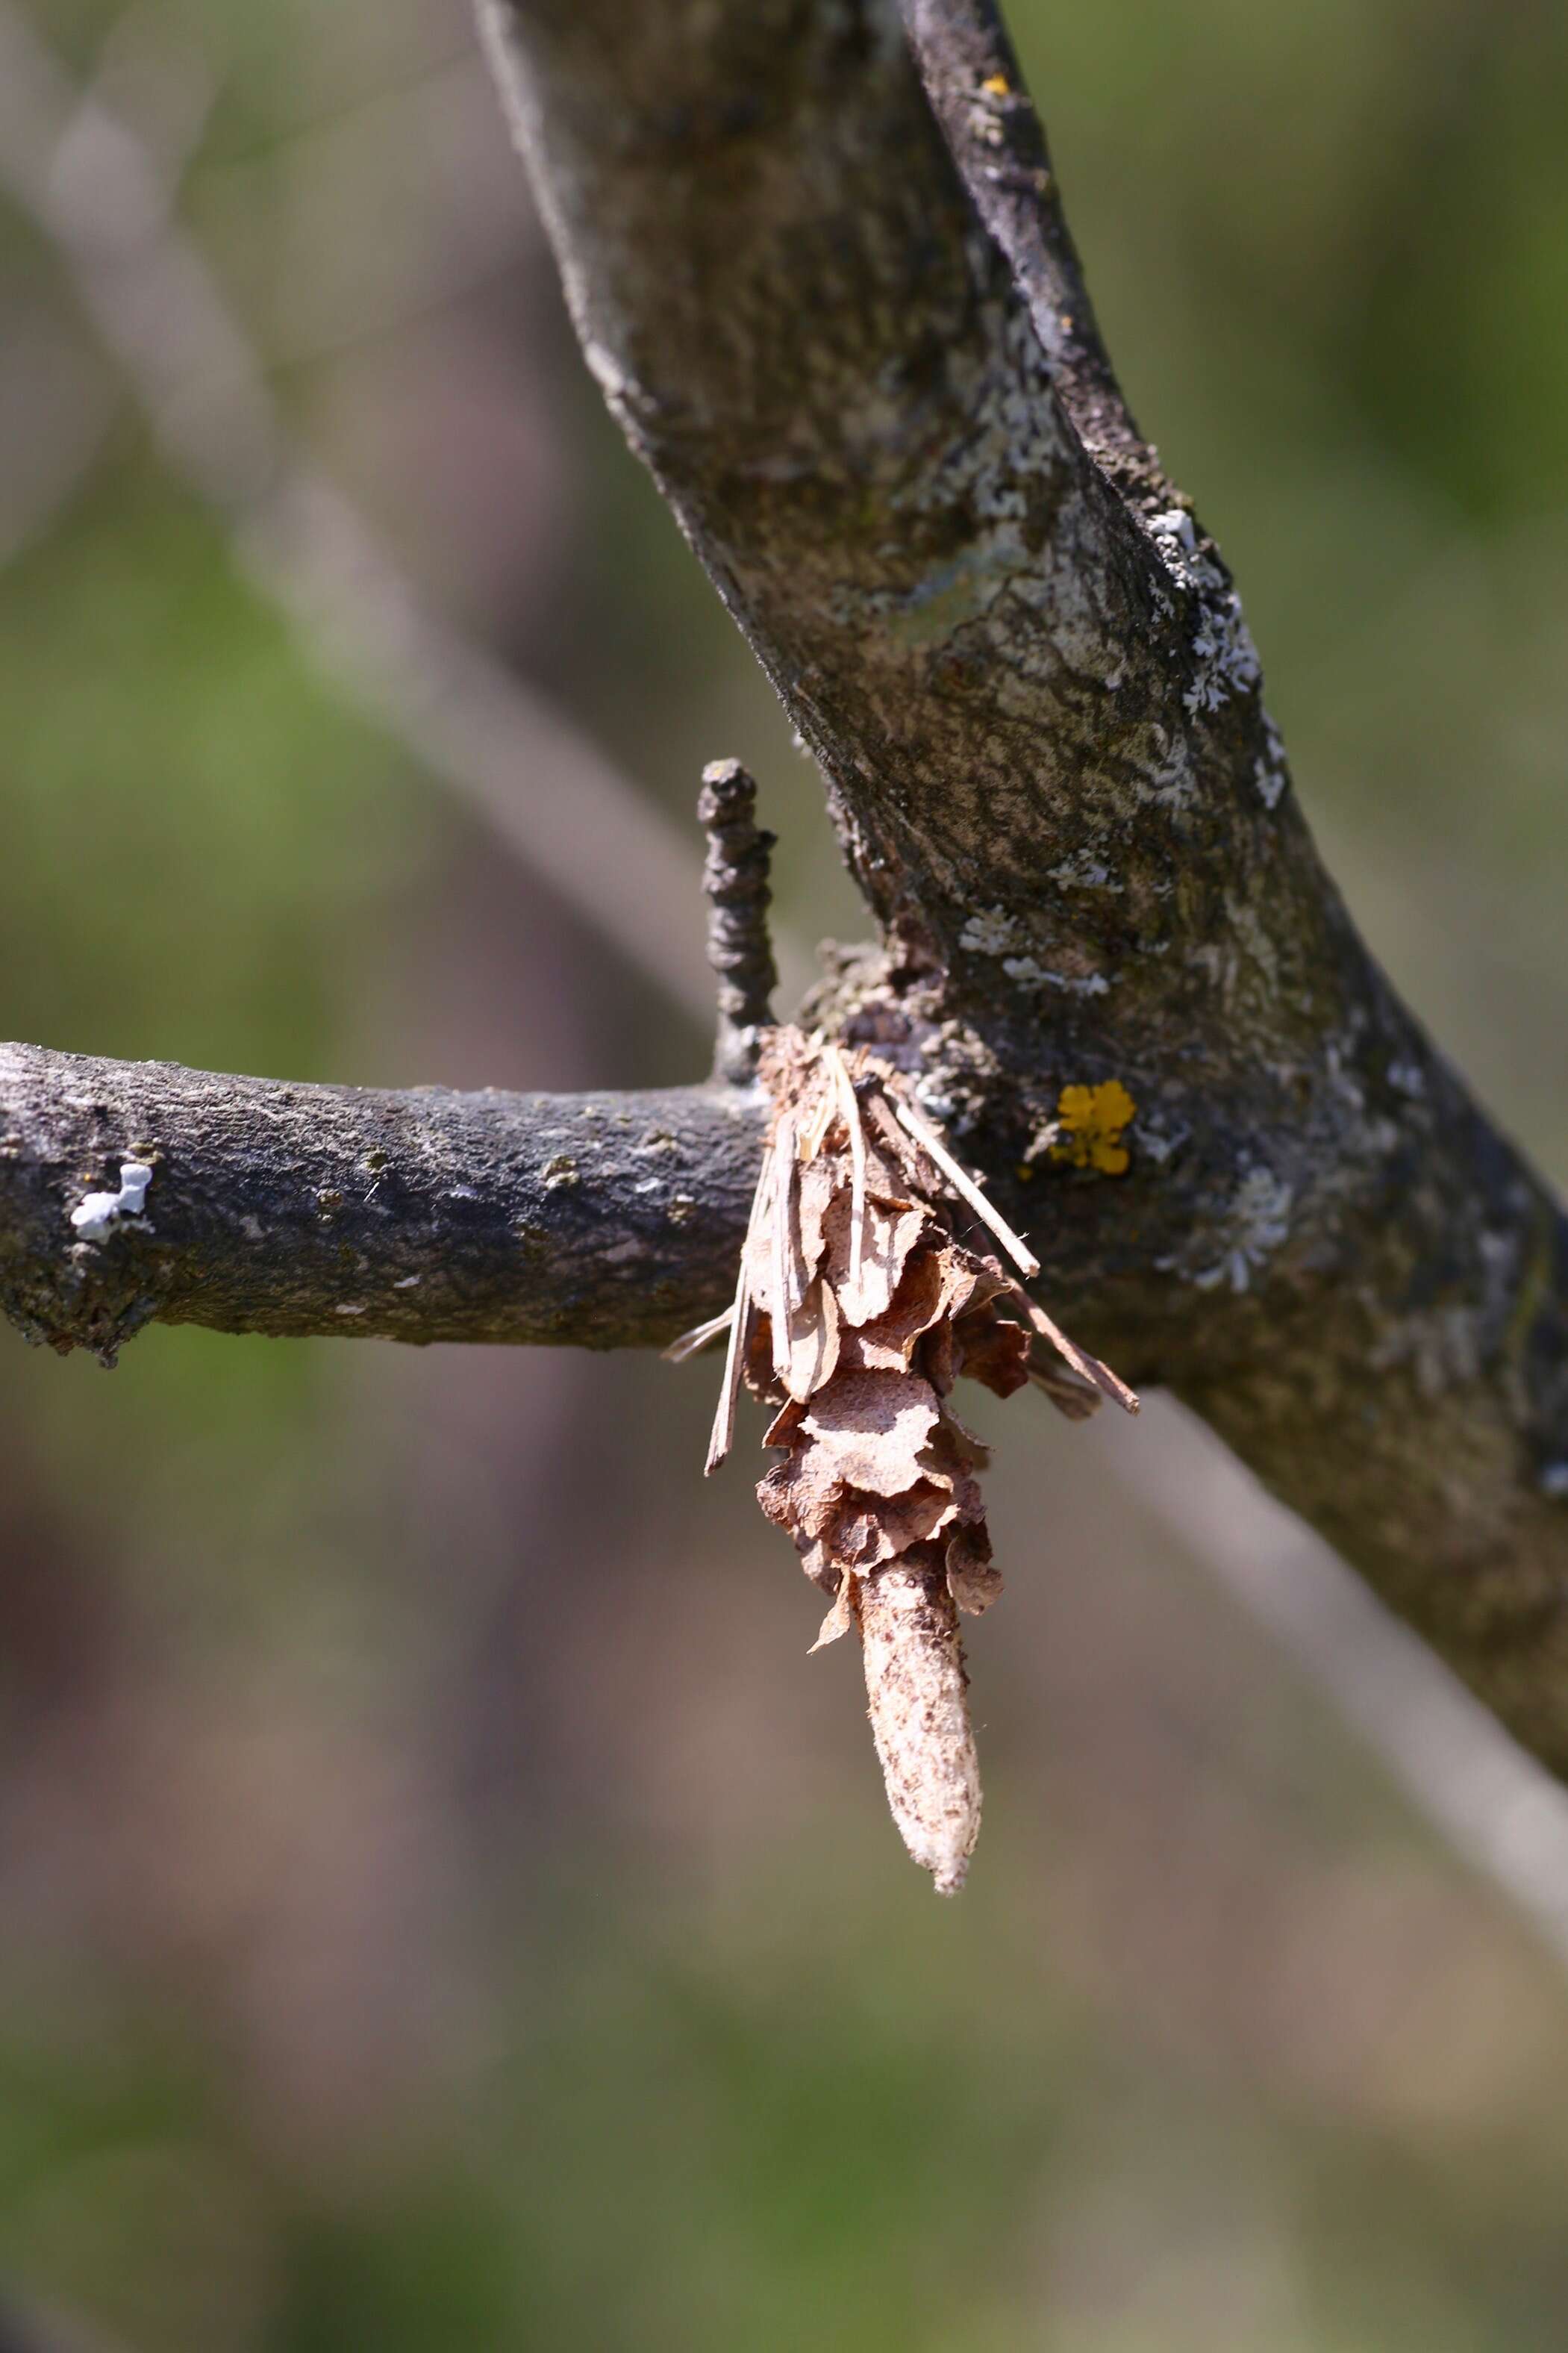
[[606, 1220], [837, 312], [856, 357]]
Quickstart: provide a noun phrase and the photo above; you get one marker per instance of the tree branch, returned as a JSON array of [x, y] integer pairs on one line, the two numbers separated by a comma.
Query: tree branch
[[995, 136], [605, 1220], [839, 341], [848, 401], [855, 355]]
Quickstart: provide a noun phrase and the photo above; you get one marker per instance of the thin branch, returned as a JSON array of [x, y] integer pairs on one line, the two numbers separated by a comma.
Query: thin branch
[[272, 1209], [994, 131], [601, 1220]]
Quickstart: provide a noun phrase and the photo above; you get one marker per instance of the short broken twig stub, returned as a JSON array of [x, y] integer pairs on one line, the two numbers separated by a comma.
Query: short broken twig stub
[[735, 877]]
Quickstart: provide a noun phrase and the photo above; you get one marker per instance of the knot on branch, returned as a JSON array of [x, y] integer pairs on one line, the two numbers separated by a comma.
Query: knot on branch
[[735, 879]]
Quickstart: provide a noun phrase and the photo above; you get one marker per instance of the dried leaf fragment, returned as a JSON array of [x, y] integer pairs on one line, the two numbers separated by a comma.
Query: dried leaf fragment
[[873, 1428], [887, 1232], [995, 1353], [812, 1351], [974, 1578], [840, 1618]]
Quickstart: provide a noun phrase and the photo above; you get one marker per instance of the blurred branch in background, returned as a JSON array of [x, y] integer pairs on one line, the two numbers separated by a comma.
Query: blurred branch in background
[[104, 193], [55, 412], [106, 203], [1445, 1751], [28, 2330]]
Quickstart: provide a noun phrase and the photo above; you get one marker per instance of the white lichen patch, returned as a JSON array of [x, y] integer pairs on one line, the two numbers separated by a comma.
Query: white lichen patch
[[97, 1214], [1340, 1080], [1271, 771], [1028, 973], [1082, 872], [1175, 536], [1270, 782], [994, 933], [1407, 1078], [933, 1099], [1163, 777], [1228, 659], [1255, 1223], [1448, 1346], [1216, 962], [1041, 1140], [1155, 1144]]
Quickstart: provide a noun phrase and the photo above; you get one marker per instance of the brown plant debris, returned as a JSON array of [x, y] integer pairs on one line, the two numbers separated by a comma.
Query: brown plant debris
[[868, 1283]]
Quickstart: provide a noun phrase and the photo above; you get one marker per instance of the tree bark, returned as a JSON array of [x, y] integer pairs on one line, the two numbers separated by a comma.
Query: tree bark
[[837, 310], [855, 354], [606, 1220]]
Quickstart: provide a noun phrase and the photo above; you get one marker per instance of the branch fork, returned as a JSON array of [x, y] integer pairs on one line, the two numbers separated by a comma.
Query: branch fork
[[829, 288], [822, 272]]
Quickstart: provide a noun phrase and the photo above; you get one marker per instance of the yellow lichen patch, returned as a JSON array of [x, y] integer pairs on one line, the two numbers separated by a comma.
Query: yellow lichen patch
[[1091, 1120], [995, 86]]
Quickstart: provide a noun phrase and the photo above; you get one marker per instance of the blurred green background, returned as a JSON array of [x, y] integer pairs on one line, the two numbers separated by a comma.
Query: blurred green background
[[441, 1903]]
